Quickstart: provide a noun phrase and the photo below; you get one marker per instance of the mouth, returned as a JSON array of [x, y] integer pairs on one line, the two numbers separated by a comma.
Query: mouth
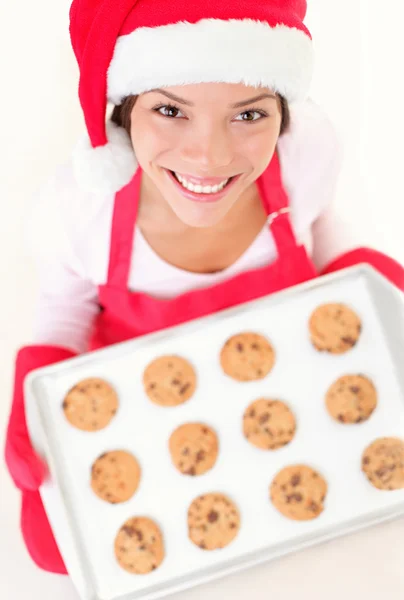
[[198, 193]]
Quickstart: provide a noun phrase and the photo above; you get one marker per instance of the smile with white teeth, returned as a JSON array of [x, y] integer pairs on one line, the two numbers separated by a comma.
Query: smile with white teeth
[[199, 189]]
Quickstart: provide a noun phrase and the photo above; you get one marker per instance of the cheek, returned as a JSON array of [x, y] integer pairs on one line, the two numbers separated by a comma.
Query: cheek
[[259, 151], [151, 141], [144, 143]]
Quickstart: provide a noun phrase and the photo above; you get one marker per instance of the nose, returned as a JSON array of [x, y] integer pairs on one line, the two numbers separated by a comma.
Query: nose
[[210, 147]]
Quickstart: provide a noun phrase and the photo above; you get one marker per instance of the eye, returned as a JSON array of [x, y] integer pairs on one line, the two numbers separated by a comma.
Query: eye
[[250, 115], [170, 111]]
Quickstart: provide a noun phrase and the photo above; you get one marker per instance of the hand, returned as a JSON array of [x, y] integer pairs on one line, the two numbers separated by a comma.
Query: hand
[[387, 266], [26, 468]]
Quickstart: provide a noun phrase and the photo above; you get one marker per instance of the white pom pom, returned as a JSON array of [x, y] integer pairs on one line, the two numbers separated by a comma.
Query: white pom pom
[[107, 169]]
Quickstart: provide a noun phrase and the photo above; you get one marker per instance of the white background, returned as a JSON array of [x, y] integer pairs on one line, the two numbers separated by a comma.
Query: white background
[[359, 81]]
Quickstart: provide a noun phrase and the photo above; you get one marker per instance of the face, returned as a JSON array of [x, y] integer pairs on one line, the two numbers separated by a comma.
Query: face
[[202, 146]]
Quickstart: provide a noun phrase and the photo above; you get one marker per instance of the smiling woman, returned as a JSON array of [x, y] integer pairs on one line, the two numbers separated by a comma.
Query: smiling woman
[[212, 184], [206, 142], [122, 116]]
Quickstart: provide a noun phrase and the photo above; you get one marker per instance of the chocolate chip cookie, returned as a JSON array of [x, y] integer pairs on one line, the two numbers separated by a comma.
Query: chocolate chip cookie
[[247, 357], [115, 476], [269, 424], [298, 492], [139, 545], [194, 448], [213, 521], [91, 404], [169, 380], [334, 328], [351, 399], [383, 463]]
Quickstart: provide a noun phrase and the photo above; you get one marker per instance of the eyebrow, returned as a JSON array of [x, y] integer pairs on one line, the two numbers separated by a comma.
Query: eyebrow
[[236, 105]]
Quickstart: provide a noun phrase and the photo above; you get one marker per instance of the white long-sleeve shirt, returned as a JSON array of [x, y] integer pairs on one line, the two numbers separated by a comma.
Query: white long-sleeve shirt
[[69, 234]]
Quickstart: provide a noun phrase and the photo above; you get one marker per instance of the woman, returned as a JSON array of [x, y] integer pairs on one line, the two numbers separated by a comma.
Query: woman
[[228, 199]]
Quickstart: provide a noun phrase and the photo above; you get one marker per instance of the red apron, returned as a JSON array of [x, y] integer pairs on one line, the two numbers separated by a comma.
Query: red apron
[[125, 314]]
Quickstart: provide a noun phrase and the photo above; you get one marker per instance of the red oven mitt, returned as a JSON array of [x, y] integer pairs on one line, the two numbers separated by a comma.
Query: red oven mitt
[[26, 468], [387, 266]]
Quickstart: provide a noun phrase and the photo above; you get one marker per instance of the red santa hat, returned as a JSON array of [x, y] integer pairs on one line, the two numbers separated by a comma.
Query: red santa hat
[[126, 47]]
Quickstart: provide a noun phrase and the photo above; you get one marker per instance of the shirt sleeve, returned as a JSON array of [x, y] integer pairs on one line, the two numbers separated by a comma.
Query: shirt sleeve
[[67, 303], [332, 235]]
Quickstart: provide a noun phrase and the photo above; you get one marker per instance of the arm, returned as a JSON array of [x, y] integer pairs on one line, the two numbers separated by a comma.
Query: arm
[[336, 246], [336, 243], [332, 236], [58, 230], [66, 308]]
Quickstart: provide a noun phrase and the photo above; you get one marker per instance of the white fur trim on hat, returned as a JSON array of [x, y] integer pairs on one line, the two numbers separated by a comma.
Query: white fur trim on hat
[[106, 169], [212, 50]]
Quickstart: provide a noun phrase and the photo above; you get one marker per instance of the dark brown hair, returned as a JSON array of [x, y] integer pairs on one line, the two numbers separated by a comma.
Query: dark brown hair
[[121, 114]]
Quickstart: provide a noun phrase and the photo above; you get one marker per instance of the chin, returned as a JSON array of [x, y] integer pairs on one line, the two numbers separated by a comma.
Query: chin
[[201, 216]]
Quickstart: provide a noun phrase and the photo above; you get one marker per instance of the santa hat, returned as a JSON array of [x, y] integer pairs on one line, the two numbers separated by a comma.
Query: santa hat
[[127, 47]]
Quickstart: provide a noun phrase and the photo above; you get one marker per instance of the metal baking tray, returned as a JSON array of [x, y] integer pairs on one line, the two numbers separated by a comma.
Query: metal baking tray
[[85, 526]]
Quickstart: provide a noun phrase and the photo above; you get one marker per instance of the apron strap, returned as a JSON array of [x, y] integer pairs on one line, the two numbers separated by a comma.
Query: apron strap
[[126, 206], [276, 204]]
